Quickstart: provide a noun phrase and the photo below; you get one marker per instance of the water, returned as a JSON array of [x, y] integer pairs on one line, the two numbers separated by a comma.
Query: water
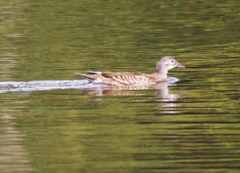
[[45, 85], [53, 121]]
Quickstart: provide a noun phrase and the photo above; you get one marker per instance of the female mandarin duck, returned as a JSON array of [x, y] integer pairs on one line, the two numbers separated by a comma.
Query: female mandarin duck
[[135, 78]]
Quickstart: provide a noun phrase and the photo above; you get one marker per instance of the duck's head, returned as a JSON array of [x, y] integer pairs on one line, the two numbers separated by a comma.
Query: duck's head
[[167, 63]]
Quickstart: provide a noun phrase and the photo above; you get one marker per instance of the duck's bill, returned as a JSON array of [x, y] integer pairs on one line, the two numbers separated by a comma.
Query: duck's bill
[[180, 66]]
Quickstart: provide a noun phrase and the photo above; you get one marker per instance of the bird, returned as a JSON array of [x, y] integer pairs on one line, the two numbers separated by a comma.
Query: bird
[[120, 79]]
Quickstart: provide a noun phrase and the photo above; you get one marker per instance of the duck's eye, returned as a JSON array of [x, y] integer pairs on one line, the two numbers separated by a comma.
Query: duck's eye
[[172, 61]]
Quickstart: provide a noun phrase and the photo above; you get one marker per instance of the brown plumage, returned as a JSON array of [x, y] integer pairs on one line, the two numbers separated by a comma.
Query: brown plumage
[[135, 78]]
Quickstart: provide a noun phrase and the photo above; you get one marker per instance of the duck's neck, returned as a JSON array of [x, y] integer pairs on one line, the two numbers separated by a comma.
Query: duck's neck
[[161, 76], [161, 72]]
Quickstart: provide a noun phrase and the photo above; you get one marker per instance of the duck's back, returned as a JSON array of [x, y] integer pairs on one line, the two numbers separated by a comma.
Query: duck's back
[[120, 78], [127, 78]]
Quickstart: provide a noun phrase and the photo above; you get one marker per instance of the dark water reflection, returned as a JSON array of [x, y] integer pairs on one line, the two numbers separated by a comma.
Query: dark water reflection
[[190, 127]]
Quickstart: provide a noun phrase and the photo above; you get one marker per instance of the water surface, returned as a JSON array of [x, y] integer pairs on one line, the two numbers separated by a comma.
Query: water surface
[[192, 126]]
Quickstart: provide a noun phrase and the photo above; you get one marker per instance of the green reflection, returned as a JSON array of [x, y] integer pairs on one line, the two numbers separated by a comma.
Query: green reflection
[[70, 131]]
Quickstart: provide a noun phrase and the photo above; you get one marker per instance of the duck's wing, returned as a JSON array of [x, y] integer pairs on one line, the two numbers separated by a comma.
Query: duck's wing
[[115, 74], [119, 78], [127, 78]]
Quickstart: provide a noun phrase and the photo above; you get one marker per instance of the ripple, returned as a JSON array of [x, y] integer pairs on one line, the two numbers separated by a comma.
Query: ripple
[[44, 85]]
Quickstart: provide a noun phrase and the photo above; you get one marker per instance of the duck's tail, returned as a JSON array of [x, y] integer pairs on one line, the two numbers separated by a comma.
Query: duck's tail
[[92, 76], [94, 72]]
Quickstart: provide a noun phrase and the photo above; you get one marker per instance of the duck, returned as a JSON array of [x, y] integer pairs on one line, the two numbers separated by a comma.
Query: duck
[[120, 79]]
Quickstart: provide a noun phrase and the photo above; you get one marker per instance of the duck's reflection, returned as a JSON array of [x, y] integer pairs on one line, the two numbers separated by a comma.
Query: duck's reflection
[[169, 102], [162, 91]]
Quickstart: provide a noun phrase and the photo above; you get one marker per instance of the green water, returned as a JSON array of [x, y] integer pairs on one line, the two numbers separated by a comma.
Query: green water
[[120, 131]]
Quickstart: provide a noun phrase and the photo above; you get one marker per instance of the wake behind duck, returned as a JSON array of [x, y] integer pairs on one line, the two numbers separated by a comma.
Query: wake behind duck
[[45, 85]]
